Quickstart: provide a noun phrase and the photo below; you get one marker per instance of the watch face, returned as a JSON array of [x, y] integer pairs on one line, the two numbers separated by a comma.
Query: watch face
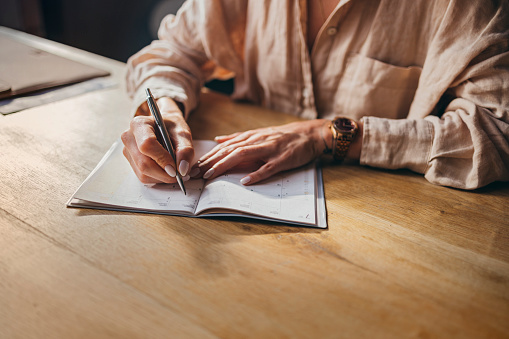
[[344, 125]]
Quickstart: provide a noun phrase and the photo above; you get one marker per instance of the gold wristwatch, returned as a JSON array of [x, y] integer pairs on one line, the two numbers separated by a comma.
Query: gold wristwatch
[[344, 131]]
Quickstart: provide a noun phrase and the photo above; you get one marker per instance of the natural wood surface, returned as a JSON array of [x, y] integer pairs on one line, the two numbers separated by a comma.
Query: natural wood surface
[[401, 258]]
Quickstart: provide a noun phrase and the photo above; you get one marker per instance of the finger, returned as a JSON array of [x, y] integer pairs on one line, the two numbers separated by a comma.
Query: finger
[[236, 141], [183, 142], [241, 155], [148, 144], [243, 166], [223, 138], [179, 132], [254, 143], [195, 171], [205, 164], [143, 110], [144, 167], [145, 179], [264, 172]]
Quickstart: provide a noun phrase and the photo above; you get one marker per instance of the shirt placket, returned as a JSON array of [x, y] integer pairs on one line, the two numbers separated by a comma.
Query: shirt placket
[[314, 63], [307, 99]]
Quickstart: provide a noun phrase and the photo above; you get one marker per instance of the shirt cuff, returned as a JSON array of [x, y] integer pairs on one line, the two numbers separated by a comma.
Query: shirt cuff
[[163, 88], [393, 144]]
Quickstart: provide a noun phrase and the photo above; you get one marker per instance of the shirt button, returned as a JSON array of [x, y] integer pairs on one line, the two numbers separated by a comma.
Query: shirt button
[[305, 92], [332, 30]]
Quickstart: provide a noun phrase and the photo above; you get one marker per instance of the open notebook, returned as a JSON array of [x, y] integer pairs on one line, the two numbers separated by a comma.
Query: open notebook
[[294, 197], [25, 69]]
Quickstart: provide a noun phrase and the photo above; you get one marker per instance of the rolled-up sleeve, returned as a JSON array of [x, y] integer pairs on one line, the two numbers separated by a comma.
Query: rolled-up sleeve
[[178, 64], [467, 144]]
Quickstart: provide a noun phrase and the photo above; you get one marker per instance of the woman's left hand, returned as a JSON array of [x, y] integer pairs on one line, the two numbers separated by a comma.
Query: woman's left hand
[[274, 149]]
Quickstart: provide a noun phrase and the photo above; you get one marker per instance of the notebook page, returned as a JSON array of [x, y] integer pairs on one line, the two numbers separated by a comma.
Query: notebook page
[[113, 183], [287, 196]]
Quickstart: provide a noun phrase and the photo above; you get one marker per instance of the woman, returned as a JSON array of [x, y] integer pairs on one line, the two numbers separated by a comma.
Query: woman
[[418, 84]]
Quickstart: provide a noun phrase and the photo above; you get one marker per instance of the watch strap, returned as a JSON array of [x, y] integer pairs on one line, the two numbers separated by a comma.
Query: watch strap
[[342, 139]]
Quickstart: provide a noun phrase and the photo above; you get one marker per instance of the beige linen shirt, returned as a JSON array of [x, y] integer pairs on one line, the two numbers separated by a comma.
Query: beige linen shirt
[[430, 78]]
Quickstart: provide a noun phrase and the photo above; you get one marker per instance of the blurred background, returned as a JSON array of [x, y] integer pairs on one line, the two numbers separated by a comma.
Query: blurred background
[[113, 28]]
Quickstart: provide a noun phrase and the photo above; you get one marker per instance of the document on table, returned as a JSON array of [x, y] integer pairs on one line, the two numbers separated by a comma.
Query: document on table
[[25, 69], [292, 197], [13, 105]]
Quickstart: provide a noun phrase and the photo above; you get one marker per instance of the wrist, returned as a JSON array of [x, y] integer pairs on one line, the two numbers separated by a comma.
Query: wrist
[[169, 105], [327, 138], [320, 132]]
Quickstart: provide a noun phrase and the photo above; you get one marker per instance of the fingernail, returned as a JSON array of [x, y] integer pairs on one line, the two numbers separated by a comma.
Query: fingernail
[[171, 171], [183, 168], [245, 180], [208, 174], [185, 178], [194, 172]]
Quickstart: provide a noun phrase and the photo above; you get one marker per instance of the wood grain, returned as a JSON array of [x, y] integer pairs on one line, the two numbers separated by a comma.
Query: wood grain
[[402, 258]]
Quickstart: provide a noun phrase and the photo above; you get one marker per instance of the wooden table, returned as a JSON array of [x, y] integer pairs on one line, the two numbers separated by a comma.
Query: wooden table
[[401, 257]]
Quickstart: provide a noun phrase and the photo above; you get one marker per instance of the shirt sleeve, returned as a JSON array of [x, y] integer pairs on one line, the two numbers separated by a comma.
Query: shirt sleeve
[[465, 144], [190, 48]]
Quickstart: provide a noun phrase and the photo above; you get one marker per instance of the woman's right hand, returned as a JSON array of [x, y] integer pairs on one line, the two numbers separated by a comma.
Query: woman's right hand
[[148, 158]]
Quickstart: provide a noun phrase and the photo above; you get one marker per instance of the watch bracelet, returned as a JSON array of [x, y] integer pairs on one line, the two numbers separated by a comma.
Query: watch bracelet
[[341, 146], [341, 142]]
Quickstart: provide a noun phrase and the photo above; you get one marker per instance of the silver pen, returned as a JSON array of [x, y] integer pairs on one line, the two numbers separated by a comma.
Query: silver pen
[[165, 137]]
